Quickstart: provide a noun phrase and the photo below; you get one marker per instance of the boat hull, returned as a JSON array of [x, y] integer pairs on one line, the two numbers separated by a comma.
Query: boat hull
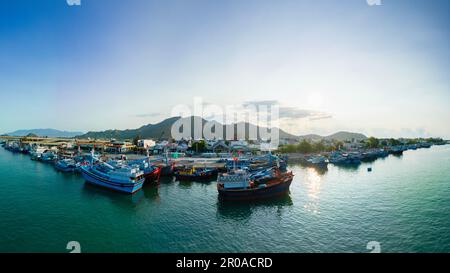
[[167, 170], [65, 169], [128, 188], [153, 176], [271, 191]]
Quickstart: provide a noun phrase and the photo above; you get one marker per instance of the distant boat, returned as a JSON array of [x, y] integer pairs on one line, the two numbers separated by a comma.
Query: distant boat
[[412, 147], [239, 185], [345, 159], [122, 179], [13, 147], [425, 145], [397, 150], [317, 161]]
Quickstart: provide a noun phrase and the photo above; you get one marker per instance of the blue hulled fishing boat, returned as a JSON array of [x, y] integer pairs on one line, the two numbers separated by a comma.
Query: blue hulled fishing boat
[[120, 178], [66, 165], [127, 180]]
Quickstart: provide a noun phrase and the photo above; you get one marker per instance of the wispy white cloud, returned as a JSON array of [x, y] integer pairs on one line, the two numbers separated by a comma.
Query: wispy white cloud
[[148, 115], [290, 112]]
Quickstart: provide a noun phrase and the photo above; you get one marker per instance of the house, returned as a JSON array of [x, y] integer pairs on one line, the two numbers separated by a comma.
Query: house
[[118, 147], [218, 147]]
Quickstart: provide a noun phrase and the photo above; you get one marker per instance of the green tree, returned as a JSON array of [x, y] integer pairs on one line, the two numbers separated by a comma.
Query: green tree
[[373, 142], [304, 147], [318, 147], [393, 142], [338, 145], [199, 146], [136, 140]]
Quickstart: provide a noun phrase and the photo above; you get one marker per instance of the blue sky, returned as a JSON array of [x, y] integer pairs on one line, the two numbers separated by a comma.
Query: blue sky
[[381, 70]]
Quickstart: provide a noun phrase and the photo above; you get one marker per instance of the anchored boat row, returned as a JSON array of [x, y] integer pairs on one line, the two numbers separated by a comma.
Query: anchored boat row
[[239, 178], [355, 158]]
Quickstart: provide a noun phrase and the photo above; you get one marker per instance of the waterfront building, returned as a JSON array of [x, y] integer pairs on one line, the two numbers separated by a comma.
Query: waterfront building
[[146, 143]]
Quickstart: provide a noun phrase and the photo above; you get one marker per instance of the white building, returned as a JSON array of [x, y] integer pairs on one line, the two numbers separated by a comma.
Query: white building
[[146, 143]]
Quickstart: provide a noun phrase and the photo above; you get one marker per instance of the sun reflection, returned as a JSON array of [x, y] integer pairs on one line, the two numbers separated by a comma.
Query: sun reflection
[[313, 182]]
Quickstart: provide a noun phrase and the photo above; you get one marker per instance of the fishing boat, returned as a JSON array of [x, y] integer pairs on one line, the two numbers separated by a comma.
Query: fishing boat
[[397, 150], [36, 152], [66, 165], [318, 161], [368, 156], [48, 157], [13, 147], [123, 179], [413, 147], [26, 148], [195, 174], [267, 161], [237, 162], [345, 159], [425, 145], [241, 185]]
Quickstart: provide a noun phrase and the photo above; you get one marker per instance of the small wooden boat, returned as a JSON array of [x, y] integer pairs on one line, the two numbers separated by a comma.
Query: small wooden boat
[[196, 174]]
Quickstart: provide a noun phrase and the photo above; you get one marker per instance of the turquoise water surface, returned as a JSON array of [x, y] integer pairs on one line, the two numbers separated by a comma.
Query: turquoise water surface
[[404, 204]]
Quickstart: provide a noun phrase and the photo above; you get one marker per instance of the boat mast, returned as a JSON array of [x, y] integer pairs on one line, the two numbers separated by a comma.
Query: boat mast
[[92, 155]]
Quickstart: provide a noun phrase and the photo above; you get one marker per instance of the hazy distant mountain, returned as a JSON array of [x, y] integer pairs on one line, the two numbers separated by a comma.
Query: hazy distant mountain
[[163, 129], [343, 136], [44, 133], [340, 136], [313, 137]]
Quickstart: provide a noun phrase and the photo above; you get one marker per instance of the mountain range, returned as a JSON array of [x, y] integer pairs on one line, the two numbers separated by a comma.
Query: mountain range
[[162, 130], [45, 133]]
